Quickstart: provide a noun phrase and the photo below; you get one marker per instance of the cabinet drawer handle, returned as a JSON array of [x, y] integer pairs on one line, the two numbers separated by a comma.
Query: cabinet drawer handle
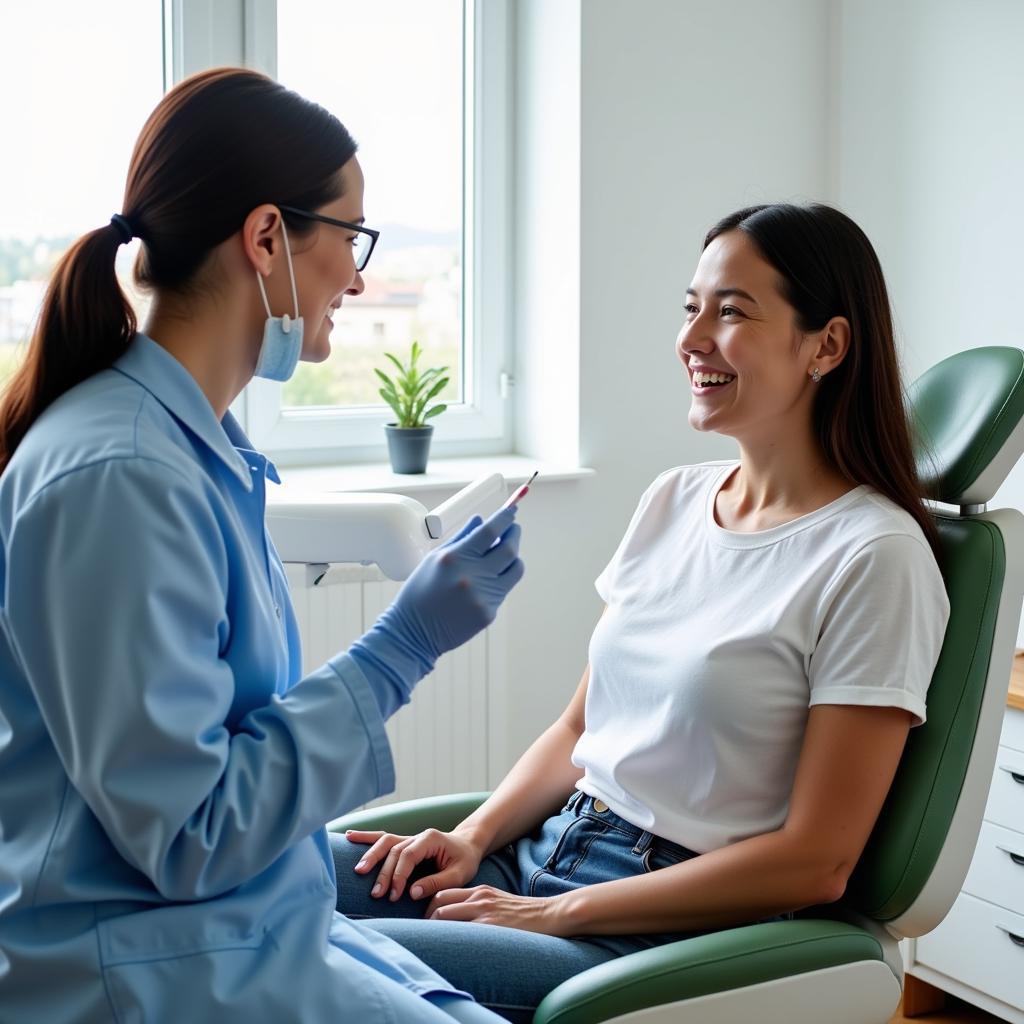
[[1016, 776], [1017, 940], [1017, 858]]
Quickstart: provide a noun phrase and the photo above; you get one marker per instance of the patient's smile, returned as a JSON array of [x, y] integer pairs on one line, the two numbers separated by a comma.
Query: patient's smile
[[703, 381], [701, 378]]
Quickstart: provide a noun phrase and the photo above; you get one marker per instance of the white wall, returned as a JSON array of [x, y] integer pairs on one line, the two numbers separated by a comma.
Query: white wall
[[546, 306], [683, 112], [930, 162], [929, 159]]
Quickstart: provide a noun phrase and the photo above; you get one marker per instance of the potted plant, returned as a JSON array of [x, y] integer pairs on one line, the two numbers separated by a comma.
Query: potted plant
[[408, 394]]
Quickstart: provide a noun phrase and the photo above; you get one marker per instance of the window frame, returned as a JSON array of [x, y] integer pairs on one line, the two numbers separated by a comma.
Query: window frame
[[207, 33]]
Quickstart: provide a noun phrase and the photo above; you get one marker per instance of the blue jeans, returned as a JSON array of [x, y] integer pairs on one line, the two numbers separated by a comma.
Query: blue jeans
[[508, 970]]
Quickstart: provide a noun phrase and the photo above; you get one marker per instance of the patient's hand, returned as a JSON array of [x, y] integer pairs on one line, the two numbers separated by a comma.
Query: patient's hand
[[457, 858], [486, 905]]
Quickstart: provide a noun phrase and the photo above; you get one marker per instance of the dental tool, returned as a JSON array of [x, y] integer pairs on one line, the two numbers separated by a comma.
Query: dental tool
[[519, 493]]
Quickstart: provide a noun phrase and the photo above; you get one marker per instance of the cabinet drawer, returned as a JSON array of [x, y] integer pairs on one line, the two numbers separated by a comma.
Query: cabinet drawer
[[1006, 797], [1013, 729], [980, 945], [995, 874]]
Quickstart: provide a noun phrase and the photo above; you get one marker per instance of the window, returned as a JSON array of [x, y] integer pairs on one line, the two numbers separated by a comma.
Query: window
[[78, 81], [415, 83], [398, 88], [425, 90]]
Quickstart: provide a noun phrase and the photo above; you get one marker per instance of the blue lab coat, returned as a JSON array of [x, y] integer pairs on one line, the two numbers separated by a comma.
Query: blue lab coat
[[165, 769]]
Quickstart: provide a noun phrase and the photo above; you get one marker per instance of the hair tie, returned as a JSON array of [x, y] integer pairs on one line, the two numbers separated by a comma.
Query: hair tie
[[124, 228]]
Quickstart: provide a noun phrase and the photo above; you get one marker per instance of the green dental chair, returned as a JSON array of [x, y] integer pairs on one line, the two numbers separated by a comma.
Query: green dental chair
[[841, 963]]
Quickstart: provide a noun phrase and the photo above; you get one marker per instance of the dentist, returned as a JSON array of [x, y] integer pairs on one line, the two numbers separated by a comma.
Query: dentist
[[165, 769]]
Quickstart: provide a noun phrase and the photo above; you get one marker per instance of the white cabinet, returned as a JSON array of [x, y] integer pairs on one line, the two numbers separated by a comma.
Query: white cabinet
[[977, 953]]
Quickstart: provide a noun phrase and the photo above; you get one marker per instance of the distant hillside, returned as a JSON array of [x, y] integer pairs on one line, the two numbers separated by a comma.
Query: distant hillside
[[33, 260], [401, 236]]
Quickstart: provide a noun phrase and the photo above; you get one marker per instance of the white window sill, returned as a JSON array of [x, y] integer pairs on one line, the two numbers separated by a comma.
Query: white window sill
[[441, 474]]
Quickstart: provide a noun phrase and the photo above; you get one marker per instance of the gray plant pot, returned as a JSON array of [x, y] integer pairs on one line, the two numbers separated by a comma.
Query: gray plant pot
[[408, 447]]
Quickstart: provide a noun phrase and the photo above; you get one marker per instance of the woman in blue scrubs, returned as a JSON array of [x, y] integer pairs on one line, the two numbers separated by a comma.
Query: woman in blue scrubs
[[165, 769]]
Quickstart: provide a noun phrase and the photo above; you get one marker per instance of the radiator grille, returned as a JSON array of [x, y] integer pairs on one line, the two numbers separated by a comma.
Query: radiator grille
[[442, 740]]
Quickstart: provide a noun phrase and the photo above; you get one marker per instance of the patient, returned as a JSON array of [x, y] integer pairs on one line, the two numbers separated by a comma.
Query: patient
[[770, 629]]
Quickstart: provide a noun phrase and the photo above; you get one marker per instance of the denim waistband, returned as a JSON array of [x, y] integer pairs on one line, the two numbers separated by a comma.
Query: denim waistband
[[582, 804]]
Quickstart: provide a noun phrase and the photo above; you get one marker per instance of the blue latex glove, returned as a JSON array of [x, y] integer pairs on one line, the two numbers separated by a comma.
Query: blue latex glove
[[451, 595]]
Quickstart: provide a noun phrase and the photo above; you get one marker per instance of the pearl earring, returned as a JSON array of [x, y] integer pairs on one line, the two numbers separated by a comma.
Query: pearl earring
[[816, 375]]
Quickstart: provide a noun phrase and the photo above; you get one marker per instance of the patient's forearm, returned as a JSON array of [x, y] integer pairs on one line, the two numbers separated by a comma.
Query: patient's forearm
[[755, 878], [535, 788]]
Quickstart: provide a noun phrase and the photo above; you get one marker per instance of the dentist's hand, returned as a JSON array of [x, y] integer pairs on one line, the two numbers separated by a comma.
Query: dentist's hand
[[452, 594], [458, 587], [457, 859]]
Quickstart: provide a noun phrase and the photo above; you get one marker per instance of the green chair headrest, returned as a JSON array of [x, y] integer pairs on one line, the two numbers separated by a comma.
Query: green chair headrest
[[967, 414]]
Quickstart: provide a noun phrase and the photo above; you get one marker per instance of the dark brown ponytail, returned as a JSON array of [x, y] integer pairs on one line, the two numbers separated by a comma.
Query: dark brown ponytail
[[85, 324], [829, 268], [218, 145]]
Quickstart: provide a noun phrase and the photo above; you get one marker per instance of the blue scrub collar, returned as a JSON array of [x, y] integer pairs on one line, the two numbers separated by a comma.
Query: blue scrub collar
[[153, 367]]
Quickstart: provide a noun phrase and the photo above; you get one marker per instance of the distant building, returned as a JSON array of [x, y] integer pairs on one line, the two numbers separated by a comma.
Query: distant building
[[383, 316]]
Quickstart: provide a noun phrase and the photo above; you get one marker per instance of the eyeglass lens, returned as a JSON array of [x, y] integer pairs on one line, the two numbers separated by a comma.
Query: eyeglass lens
[[361, 249]]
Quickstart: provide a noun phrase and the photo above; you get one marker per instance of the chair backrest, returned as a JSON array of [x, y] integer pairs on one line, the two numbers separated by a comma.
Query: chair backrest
[[968, 412]]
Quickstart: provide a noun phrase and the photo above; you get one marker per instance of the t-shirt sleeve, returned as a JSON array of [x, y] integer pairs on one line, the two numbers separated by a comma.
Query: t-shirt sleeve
[[605, 581], [882, 627]]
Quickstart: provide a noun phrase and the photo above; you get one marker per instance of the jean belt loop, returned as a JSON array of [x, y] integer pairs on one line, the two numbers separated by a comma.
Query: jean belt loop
[[578, 797], [643, 844]]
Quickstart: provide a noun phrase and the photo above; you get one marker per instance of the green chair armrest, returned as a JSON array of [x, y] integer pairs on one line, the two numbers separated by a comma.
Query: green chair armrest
[[704, 965], [410, 816]]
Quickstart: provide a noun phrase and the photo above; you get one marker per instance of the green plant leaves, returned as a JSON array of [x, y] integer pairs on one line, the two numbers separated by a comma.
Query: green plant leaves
[[395, 360], [411, 390]]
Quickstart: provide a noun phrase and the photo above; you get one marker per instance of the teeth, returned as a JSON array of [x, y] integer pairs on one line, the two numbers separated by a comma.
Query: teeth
[[700, 378]]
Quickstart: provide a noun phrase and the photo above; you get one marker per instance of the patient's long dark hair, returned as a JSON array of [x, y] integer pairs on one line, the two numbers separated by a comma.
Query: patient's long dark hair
[[829, 269], [218, 145]]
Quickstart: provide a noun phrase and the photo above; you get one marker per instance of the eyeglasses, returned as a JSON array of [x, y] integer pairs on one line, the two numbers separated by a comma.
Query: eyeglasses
[[362, 246]]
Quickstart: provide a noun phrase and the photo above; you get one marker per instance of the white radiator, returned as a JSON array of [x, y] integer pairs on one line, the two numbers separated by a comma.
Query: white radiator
[[449, 739]]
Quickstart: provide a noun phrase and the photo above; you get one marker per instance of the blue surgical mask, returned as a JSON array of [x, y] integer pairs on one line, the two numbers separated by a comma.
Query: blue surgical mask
[[282, 335]]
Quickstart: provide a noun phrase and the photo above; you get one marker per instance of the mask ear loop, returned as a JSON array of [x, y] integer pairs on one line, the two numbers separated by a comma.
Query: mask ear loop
[[286, 324]]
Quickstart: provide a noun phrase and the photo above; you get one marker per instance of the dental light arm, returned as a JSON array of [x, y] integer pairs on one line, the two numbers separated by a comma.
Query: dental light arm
[[391, 530]]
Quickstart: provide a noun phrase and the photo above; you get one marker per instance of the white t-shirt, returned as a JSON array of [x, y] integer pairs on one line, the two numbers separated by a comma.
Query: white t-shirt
[[715, 644]]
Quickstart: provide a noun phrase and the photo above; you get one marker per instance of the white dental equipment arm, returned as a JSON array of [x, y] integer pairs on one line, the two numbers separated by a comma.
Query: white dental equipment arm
[[391, 530]]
